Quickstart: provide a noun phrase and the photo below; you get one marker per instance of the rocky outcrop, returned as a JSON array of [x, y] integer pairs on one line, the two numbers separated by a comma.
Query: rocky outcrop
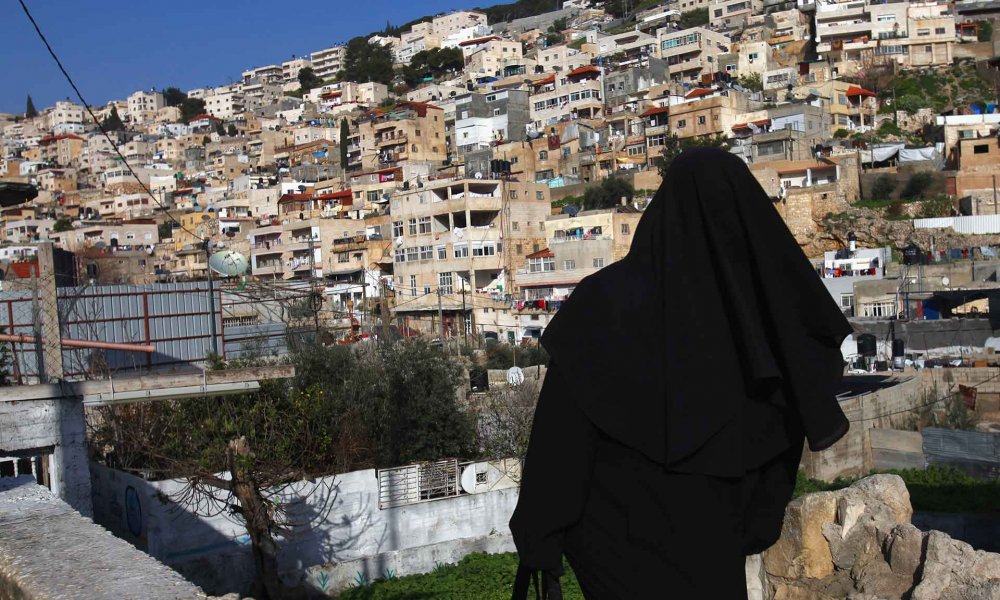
[[859, 543], [873, 230]]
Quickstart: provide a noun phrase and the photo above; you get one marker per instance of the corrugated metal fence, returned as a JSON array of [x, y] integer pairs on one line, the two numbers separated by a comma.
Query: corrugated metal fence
[[977, 452], [172, 317], [977, 224]]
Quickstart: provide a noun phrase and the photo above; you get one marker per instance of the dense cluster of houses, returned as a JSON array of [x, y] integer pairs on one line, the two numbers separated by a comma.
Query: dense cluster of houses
[[456, 196]]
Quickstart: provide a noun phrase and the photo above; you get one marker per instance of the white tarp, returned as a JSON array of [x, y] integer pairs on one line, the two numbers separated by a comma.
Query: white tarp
[[900, 152], [917, 154]]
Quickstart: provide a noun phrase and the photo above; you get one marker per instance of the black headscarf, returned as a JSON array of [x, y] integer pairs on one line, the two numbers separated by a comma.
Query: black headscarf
[[714, 303]]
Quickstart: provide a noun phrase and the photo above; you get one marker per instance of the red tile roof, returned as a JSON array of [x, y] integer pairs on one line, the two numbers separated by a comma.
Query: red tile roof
[[543, 253], [699, 92], [583, 70], [656, 110], [55, 138], [479, 40], [335, 195], [859, 91], [205, 116], [294, 197], [544, 80]]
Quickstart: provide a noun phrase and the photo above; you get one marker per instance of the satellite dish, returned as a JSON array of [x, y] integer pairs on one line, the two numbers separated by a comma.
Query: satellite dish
[[515, 376], [100, 245], [945, 281], [229, 263], [478, 175], [399, 241]]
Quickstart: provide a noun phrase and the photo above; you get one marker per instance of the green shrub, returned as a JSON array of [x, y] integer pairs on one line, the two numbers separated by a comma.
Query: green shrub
[[841, 133], [985, 31], [895, 210], [917, 185], [884, 186], [938, 206]]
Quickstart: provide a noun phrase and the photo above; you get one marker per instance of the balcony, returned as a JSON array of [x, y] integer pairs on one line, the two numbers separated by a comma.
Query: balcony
[[655, 130], [391, 140], [264, 248], [271, 268], [354, 242], [302, 242]]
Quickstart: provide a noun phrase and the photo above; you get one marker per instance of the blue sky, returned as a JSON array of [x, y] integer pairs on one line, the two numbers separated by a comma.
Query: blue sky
[[112, 48]]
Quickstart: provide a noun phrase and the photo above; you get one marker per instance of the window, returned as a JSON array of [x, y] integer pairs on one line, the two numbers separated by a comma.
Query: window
[[413, 285], [484, 249], [543, 154], [424, 223], [413, 147], [701, 120], [928, 49], [343, 257], [412, 254], [400, 257], [373, 196], [397, 229], [539, 195], [657, 140], [541, 265], [981, 149], [514, 225], [416, 133], [513, 194], [461, 250], [412, 226], [846, 300], [886, 308], [445, 283], [569, 265], [625, 229], [427, 290], [939, 30], [923, 32], [426, 253], [566, 151], [496, 112], [442, 253], [599, 262], [681, 123], [519, 248]]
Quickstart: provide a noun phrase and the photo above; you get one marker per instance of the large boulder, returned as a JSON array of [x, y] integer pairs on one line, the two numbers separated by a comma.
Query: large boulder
[[858, 543]]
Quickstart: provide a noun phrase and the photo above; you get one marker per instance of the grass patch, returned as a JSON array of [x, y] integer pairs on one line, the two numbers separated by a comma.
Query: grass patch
[[475, 577], [936, 488]]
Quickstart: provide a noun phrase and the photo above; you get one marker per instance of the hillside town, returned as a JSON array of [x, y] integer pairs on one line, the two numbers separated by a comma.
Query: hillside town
[[451, 181]]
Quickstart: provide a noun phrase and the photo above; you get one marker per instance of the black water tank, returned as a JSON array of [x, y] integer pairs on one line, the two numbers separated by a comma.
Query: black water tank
[[911, 255], [898, 347], [866, 345]]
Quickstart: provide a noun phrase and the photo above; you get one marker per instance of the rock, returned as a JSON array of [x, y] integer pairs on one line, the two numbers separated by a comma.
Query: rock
[[905, 551], [756, 578], [954, 569], [802, 550], [887, 497]]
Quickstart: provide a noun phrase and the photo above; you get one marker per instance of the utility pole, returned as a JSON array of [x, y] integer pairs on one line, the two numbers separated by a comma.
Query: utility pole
[[441, 319], [211, 303], [384, 310], [465, 332]]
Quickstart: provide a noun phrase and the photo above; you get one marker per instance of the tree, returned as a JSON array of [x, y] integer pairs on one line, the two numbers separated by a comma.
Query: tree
[[883, 187], [505, 415], [917, 185], [345, 134], [752, 82], [231, 130], [347, 408], [693, 18], [432, 63], [173, 96], [164, 231], [190, 108], [364, 61], [62, 224], [30, 111], [673, 146], [113, 122], [308, 79], [220, 128], [608, 194]]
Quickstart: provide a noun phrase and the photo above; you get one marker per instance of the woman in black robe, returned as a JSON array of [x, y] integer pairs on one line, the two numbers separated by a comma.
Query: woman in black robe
[[683, 381]]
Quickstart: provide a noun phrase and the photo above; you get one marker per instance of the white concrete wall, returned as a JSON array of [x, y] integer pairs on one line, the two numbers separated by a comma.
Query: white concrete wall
[[56, 427], [339, 530]]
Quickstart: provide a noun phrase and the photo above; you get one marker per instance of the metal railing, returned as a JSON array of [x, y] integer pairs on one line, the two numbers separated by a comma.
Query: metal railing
[[399, 486]]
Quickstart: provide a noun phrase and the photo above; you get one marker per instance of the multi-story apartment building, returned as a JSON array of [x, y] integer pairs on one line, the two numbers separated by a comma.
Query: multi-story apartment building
[[65, 113], [691, 53], [328, 62], [25, 230], [576, 246], [348, 93], [632, 44], [787, 132], [707, 113], [290, 69], [108, 233], [493, 57], [454, 23], [226, 106], [559, 58], [461, 237], [726, 15], [576, 94], [420, 37], [411, 131], [143, 105], [482, 120], [931, 29], [265, 74], [61, 150]]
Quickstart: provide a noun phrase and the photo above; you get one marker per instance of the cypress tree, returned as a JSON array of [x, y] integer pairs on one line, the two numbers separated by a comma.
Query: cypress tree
[[30, 112], [344, 134]]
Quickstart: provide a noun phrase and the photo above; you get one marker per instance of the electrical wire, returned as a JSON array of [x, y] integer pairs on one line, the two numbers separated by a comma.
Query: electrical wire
[[97, 122], [925, 405]]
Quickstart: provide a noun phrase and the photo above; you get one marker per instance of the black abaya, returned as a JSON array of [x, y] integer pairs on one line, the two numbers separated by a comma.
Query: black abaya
[[683, 382]]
